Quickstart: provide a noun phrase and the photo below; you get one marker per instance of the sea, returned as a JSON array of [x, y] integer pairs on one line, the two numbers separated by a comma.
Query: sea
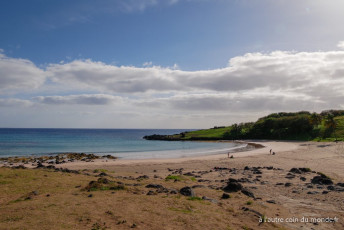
[[122, 143]]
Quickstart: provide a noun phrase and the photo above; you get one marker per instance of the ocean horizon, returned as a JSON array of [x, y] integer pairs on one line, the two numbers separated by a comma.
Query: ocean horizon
[[122, 143]]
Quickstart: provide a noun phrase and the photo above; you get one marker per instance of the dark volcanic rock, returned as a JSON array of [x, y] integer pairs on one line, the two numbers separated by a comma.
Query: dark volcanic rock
[[199, 186], [154, 186], [290, 176], [313, 192], [331, 188], [189, 174], [232, 186], [211, 186], [321, 180], [210, 199], [173, 191], [305, 170], [20, 167], [162, 190], [247, 192], [220, 168], [257, 171], [245, 180], [295, 170], [288, 184], [103, 174], [39, 165], [258, 214], [142, 177], [149, 193], [187, 191], [271, 201], [225, 196], [103, 181]]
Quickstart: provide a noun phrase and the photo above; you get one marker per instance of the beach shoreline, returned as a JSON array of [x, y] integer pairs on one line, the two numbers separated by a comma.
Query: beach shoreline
[[251, 148], [263, 149]]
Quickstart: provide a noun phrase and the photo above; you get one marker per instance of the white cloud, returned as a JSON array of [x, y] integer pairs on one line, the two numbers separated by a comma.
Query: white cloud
[[86, 99], [137, 5], [124, 79], [147, 64], [19, 74], [284, 71], [340, 44], [13, 102], [250, 84], [233, 102]]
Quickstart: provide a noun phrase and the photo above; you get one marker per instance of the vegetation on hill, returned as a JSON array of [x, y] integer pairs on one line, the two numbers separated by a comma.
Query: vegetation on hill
[[325, 126]]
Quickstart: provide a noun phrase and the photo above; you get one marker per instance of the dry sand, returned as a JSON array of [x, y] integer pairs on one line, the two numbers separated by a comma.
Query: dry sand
[[277, 196], [327, 158]]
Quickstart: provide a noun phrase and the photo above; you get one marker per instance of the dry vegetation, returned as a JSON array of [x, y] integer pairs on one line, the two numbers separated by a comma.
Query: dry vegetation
[[308, 181], [45, 199]]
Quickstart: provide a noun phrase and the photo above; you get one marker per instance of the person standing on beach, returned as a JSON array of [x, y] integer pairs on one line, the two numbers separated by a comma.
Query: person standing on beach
[[270, 151]]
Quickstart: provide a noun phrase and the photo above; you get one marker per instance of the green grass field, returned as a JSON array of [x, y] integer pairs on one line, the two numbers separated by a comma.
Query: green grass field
[[218, 133]]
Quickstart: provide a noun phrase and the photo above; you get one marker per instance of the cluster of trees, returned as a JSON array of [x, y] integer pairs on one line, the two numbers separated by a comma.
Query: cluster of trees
[[298, 126]]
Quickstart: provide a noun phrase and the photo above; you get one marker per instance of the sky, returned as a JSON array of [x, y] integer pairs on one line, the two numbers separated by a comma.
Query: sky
[[167, 63]]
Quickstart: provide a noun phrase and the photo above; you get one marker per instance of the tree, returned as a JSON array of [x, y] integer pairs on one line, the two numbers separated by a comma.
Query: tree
[[330, 124], [315, 119]]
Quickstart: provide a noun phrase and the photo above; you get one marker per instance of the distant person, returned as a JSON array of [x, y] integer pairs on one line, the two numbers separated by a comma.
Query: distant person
[[270, 151]]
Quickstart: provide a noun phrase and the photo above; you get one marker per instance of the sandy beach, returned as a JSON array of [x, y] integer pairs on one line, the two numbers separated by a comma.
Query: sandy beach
[[281, 190]]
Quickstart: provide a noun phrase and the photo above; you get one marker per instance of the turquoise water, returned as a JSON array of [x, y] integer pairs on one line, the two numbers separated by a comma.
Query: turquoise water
[[123, 143]]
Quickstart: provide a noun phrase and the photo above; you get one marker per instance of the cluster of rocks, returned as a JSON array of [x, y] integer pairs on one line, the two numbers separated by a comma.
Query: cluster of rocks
[[51, 167], [104, 184], [160, 189], [56, 159], [234, 186], [320, 181], [254, 175], [185, 191], [66, 170]]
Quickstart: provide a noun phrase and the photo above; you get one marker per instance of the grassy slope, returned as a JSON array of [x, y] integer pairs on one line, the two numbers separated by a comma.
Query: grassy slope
[[208, 133], [218, 133], [68, 206]]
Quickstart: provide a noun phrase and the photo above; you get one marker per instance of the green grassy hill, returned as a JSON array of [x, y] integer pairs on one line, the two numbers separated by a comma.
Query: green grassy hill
[[326, 126], [213, 133]]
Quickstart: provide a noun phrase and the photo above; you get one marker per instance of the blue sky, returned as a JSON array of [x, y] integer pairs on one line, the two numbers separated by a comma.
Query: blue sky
[[166, 63], [193, 34]]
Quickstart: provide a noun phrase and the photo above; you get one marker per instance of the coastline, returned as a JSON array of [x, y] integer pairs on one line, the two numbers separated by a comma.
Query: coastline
[[253, 147], [263, 149], [277, 146]]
